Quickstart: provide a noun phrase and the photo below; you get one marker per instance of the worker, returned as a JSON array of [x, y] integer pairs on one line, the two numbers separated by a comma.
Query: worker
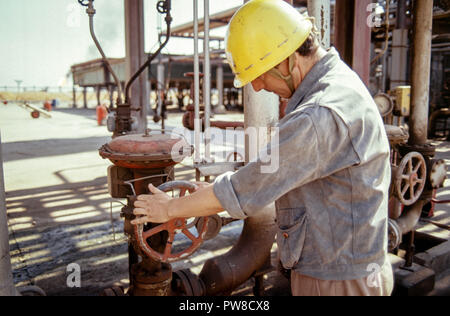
[[331, 187]]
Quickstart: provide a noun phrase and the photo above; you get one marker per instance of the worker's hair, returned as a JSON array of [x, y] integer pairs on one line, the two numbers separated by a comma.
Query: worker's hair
[[310, 46]]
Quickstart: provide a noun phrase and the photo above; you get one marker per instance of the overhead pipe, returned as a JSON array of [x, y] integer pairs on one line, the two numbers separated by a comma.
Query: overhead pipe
[[91, 12], [6, 278]]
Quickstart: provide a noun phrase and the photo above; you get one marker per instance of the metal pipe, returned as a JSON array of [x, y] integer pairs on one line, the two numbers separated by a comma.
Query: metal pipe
[[219, 81], [91, 12], [410, 217], [224, 273], [168, 20], [207, 81], [420, 75], [197, 122], [6, 279], [401, 14], [320, 10]]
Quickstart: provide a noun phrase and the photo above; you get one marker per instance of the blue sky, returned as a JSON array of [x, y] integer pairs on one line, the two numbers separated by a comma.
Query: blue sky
[[41, 39]]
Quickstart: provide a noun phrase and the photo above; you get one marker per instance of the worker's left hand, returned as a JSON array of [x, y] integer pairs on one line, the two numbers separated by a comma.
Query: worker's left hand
[[152, 208]]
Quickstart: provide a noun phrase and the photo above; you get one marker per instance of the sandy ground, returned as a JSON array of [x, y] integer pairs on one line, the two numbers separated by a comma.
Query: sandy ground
[[60, 212]]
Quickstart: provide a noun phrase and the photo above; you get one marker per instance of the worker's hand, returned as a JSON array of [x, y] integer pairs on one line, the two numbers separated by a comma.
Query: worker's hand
[[152, 208]]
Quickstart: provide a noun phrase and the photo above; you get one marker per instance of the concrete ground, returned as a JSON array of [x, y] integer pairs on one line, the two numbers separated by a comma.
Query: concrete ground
[[59, 210]]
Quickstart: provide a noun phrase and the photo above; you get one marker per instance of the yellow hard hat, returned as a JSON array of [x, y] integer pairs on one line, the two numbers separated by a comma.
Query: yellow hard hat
[[260, 35]]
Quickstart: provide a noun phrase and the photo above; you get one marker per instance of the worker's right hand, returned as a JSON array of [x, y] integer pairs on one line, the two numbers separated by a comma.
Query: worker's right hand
[[152, 208]]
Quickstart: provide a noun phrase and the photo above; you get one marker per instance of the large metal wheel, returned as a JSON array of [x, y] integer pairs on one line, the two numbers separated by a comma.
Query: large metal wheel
[[410, 178], [173, 227]]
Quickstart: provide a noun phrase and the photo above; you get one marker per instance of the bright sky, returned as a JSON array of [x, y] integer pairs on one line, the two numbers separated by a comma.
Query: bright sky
[[41, 39]]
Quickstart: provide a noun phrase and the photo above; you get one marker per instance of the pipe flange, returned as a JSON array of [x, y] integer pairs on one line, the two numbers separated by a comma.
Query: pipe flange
[[394, 235], [213, 228], [437, 174], [187, 284]]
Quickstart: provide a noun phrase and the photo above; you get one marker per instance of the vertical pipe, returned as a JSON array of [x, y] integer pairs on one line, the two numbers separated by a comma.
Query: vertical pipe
[[197, 123], [74, 96], [343, 29], [6, 279], [361, 40], [320, 10], [98, 91], [401, 14], [420, 74], [219, 81], [160, 87], [207, 81], [85, 97], [135, 57]]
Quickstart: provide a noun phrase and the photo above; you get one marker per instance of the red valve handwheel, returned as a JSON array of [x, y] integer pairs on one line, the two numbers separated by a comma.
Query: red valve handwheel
[[410, 178], [173, 227]]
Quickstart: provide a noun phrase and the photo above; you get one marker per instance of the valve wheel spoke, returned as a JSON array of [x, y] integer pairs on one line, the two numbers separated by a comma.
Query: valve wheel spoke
[[189, 234], [173, 227], [154, 230]]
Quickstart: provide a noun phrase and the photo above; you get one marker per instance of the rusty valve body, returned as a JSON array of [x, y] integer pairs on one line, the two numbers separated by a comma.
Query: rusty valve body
[[140, 159]]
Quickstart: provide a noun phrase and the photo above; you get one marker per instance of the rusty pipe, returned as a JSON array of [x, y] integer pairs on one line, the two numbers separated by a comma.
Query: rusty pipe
[[420, 73], [410, 217], [222, 274]]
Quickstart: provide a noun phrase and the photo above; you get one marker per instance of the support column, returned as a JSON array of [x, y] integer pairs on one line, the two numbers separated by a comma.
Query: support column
[[85, 97], [352, 35], [135, 57], [111, 89], [420, 75], [98, 92], [74, 97], [400, 48], [361, 40], [219, 83], [207, 81], [6, 279]]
